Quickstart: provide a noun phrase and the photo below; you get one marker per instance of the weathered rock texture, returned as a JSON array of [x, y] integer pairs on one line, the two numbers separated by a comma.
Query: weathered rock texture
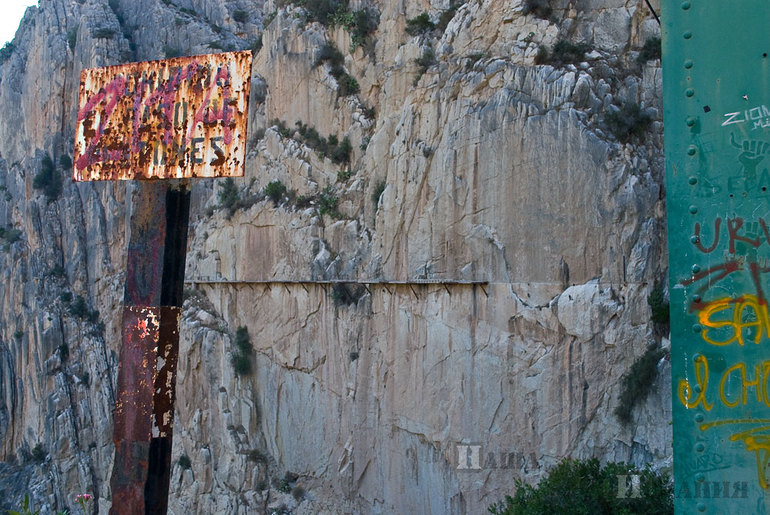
[[496, 287]]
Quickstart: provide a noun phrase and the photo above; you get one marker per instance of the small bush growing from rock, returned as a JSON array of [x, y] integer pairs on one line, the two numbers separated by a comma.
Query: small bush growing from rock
[[650, 50], [240, 15], [257, 46], [65, 161], [338, 152], [280, 126], [379, 188], [275, 191], [79, 309], [298, 493], [171, 51], [103, 33], [6, 51], [637, 382], [657, 302], [346, 84], [564, 52], [361, 24], [446, 17], [303, 201], [10, 235], [327, 202], [48, 179], [184, 462], [419, 25], [256, 456], [229, 198], [425, 61], [539, 8], [323, 11], [72, 37], [341, 153], [241, 358], [344, 294], [38, 453], [329, 53], [627, 122]]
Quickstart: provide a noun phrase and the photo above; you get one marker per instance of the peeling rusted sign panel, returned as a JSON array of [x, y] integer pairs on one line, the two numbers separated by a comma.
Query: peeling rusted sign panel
[[176, 118]]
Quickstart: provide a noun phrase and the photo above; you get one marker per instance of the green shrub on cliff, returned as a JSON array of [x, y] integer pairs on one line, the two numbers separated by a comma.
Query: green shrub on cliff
[[578, 487]]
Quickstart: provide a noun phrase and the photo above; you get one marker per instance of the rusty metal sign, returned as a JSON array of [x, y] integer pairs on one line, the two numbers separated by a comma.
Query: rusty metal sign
[[171, 119]]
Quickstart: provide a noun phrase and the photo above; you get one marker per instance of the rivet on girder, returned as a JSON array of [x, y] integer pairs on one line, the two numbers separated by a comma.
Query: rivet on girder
[[700, 447], [693, 209], [688, 63], [690, 121], [697, 328], [685, 5], [693, 180], [695, 269], [699, 418], [687, 35], [691, 150], [689, 92]]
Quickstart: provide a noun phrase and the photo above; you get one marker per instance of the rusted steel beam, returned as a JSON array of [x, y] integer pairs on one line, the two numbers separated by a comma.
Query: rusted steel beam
[[144, 411]]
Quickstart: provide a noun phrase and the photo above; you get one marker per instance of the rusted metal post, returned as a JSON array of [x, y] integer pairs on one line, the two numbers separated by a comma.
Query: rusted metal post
[[144, 411], [171, 120]]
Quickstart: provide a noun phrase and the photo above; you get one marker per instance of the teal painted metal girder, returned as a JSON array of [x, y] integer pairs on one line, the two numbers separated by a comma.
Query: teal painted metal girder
[[716, 89]]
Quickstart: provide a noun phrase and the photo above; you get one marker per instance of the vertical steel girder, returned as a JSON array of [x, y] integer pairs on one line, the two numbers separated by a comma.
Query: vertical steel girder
[[144, 412]]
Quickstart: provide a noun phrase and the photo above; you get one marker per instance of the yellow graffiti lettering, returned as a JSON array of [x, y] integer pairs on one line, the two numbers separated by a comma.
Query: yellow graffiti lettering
[[745, 385], [689, 398], [741, 320], [754, 440], [765, 375]]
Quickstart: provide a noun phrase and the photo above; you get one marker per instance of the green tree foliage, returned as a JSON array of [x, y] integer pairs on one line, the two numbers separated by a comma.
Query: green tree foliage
[[580, 487]]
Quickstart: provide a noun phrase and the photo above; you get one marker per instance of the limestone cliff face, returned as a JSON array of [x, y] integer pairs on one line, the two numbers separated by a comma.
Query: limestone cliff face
[[496, 240]]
